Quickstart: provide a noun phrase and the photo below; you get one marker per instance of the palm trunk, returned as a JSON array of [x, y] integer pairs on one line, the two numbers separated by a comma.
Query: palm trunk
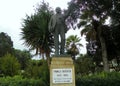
[[104, 51], [48, 59]]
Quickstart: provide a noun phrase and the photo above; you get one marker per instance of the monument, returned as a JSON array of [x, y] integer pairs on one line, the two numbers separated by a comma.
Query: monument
[[58, 27], [62, 72]]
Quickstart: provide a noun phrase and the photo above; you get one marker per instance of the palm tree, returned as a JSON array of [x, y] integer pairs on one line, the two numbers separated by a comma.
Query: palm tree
[[72, 45], [35, 31]]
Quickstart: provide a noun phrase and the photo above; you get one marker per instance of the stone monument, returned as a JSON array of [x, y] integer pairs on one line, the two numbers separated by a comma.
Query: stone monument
[[62, 72]]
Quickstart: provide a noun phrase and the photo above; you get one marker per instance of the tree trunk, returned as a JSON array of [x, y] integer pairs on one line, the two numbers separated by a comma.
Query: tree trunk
[[48, 59], [104, 50], [104, 54], [48, 62]]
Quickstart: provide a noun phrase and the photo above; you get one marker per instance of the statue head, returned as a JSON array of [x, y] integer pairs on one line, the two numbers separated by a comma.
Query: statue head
[[58, 10]]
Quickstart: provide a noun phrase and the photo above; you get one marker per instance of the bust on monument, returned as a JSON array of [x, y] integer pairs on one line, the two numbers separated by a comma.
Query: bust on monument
[[58, 27]]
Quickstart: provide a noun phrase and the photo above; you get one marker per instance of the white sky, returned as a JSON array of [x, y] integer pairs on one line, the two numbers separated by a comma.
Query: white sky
[[13, 11]]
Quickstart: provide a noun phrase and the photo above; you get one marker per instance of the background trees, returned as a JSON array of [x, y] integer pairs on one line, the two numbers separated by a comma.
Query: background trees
[[11, 60], [115, 25], [6, 44], [23, 57], [92, 16]]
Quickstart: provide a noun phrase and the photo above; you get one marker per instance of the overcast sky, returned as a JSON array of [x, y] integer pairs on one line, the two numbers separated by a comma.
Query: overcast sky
[[13, 11]]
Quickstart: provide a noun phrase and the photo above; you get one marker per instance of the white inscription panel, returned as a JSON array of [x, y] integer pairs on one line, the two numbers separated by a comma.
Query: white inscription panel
[[62, 75]]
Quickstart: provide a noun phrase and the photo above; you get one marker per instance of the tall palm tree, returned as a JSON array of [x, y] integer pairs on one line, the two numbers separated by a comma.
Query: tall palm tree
[[35, 31], [72, 45]]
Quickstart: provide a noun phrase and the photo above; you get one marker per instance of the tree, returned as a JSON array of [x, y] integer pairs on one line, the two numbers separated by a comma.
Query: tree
[[72, 44], [93, 15], [23, 57], [115, 22], [35, 31], [6, 44], [9, 65], [115, 25]]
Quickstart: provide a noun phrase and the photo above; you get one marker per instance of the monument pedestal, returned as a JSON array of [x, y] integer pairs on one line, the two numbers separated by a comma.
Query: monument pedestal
[[62, 71]]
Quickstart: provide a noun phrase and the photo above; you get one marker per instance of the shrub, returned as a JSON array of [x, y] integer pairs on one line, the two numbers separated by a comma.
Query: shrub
[[38, 69], [102, 79], [9, 65], [20, 81], [84, 65]]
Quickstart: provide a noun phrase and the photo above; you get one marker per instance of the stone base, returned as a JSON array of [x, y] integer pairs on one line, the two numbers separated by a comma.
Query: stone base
[[62, 72]]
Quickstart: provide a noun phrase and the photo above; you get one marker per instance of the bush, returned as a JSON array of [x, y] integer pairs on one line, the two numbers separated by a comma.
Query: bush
[[19, 81], [102, 79], [84, 65], [38, 69], [9, 65]]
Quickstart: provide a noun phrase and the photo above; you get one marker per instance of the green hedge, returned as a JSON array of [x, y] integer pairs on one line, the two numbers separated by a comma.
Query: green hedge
[[102, 79], [19, 81]]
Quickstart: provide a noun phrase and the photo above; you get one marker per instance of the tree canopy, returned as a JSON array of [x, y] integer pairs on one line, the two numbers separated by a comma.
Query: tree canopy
[[6, 44], [35, 30], [92, 15]]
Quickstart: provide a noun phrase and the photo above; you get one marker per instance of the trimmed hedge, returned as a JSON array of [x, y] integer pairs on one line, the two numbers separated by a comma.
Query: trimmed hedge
[[19, 81], [102, 79]]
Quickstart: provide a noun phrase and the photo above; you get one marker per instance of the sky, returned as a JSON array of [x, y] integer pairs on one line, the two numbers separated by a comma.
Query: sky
[[13, 11]]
